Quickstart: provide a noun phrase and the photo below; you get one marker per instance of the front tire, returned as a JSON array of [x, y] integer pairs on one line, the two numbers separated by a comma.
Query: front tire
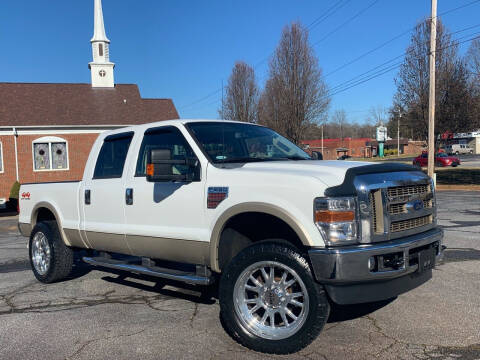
[[50, 258], [269, 300]]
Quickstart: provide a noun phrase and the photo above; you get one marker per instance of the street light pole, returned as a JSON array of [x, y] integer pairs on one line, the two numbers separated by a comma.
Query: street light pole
[[431, 98]]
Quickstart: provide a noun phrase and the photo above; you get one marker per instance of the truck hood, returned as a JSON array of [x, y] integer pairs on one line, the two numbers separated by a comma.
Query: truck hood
[[330, 172]]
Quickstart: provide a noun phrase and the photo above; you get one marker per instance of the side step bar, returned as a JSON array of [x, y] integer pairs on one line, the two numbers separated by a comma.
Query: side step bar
[[171, 274]]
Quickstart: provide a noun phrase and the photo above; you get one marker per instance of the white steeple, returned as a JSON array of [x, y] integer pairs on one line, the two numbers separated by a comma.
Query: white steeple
[[101, 67], [99, 26]]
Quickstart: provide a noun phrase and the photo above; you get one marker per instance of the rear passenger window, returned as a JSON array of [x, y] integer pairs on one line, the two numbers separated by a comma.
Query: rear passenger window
[[111, 158]]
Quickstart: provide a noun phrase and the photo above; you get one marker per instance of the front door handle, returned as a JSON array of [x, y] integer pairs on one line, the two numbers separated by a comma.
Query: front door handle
[[87, 197], [129, 196]]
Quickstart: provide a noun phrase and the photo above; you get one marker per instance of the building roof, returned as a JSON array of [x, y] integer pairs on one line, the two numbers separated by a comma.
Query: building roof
[[43, 104]]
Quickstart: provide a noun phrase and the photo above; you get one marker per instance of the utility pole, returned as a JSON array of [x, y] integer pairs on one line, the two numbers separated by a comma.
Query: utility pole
[[398, 134], [431, 97], [223, 115], [322, 139]]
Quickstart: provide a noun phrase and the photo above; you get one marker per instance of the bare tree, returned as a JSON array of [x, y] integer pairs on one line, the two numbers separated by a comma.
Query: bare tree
[[473, 59], [378, 115], [339, 118], [473, 63], [241, 95], [295, 95], [453, 97]]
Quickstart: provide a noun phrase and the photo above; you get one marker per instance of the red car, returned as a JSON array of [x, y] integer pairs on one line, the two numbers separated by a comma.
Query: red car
[[441, 159]]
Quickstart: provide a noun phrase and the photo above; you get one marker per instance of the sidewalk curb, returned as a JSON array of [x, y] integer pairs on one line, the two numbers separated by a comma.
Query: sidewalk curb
[[441, 187]]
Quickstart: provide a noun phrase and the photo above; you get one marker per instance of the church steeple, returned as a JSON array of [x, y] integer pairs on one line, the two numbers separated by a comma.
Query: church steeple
[[101, 67]]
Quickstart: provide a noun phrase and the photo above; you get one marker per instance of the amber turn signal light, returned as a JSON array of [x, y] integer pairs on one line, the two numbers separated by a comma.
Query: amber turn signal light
[[150, 169], [327, 216]]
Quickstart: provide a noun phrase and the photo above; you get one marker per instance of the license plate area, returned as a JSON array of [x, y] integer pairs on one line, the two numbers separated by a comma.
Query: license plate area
[[426, 259]]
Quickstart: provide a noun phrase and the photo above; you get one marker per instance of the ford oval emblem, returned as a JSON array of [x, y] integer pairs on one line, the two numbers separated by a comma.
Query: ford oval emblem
[[414, 205]]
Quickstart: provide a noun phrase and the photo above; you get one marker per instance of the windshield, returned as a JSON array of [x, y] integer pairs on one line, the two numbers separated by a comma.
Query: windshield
[[226, 142]]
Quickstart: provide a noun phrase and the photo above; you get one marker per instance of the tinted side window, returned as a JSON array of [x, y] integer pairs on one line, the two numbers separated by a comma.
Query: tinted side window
[[111, 158], [164, 138]]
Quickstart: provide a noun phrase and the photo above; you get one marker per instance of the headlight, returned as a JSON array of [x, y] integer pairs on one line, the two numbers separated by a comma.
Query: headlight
[[335, 218]]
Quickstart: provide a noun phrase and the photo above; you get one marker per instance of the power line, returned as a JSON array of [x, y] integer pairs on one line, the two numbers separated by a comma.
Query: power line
[[406, 52], [368, 52], [397, 37], [202, 99], [458, 8], [384, 71], [347, 22], [329, 12]]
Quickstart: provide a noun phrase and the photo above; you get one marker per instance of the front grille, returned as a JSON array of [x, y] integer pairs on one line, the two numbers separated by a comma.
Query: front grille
[[400, 208], [401, 191], [402, 212], [404, 225], [376, 208]]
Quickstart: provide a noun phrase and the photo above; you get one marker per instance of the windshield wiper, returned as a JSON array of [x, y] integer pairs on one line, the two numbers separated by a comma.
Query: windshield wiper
[[296, 157], [242, 159]]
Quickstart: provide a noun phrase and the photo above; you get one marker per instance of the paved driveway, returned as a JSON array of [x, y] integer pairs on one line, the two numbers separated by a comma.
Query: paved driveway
[[99, 315]]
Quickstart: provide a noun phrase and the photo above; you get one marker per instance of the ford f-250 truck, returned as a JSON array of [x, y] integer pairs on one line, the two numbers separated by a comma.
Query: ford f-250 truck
[[283, 235]]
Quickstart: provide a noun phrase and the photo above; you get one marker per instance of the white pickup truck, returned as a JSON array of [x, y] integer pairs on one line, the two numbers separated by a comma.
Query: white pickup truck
[[282, 235]]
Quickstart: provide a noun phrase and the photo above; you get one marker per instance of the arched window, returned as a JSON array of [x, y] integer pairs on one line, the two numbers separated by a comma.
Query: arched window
[[100, 49], [50, 153]]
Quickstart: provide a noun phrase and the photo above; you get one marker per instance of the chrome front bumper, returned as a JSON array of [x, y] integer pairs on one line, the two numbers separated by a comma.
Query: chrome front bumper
[[348, 279]]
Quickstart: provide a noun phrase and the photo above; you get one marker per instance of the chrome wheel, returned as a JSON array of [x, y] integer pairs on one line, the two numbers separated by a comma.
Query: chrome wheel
[[271, 300], [40, 253]]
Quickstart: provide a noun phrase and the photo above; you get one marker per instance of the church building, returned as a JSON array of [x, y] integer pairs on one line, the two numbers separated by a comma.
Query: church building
[[47, 129]]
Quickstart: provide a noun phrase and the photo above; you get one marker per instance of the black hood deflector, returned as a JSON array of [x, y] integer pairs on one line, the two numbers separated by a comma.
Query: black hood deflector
[[347, 188]]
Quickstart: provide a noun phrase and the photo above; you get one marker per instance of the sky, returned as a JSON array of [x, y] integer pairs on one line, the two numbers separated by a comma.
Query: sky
[[185, 50]]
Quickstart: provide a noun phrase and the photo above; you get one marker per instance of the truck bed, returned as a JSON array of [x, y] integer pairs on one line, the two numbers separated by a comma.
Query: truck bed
[[60, 195]]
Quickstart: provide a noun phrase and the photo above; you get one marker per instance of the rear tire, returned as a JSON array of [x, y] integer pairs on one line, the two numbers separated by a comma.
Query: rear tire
[[277, 301], [50, 258]]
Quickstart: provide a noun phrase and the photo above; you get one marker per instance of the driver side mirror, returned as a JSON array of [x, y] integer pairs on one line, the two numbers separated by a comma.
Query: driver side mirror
[[160, 166]]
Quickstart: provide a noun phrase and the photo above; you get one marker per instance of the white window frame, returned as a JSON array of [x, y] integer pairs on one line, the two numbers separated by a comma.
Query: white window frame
[[49, 140], [2, 170]]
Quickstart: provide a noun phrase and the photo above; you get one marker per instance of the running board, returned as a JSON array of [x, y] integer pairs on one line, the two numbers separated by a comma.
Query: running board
[[171, 274]]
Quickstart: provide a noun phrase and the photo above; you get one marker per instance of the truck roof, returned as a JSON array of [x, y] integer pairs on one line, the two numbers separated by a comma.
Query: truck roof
[[167, 122]]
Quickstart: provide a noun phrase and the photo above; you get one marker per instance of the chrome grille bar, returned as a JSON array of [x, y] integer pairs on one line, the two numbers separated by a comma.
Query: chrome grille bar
[[404, 225]]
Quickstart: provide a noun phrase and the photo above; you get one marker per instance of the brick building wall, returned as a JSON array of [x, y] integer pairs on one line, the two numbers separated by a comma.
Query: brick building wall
[[415, 147], [79, 146], [7, 177], [353, 147]]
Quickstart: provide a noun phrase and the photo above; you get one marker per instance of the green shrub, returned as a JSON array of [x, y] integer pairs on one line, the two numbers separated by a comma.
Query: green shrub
[[388, 152], [14, 192]]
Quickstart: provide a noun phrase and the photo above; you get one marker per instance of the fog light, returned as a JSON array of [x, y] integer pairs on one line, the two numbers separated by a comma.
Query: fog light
[[371, 263]]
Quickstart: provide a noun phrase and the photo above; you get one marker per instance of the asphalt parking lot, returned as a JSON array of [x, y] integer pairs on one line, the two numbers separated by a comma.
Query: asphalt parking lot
[[101, 315], [467, 160]]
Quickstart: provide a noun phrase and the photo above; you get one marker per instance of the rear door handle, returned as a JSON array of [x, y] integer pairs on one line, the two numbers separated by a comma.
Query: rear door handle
[[129, 196]]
